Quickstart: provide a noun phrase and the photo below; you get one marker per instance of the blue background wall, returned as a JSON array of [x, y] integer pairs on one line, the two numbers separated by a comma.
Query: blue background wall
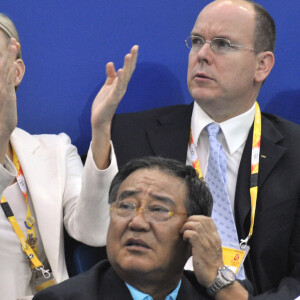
[[66, 45]]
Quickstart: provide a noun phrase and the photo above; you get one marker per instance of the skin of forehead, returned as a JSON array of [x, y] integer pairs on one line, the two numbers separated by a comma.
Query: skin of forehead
[[153, 180], [240, 9], [243, 5]]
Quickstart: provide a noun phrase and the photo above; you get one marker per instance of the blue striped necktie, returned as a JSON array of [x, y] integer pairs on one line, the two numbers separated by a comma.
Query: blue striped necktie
[[216, 180]]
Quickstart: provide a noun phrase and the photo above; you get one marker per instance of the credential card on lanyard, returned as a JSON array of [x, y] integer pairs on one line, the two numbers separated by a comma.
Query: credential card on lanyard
[[234, 256]]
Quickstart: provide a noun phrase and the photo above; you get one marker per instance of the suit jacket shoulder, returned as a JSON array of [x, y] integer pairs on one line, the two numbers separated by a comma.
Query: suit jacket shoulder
[[102, 282], [157, 132]]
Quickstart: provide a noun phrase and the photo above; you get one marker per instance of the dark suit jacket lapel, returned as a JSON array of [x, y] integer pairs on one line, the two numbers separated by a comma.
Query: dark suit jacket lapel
[[112, 287], [190, 288], [270, 154], [169, 137]]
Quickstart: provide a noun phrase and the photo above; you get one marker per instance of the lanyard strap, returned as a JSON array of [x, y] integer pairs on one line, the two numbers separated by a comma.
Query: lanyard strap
[[254, 167], [30, 250], [29, 222], [193, 155], [255, 154], [25, 246]]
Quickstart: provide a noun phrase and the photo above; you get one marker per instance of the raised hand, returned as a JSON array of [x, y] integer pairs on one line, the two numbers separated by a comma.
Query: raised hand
[[8, 68], [8, 105], [113, 90], [202, 235], [105, 105]]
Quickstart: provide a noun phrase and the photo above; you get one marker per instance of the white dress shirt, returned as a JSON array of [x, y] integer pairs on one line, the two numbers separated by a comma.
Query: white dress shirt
[[233, 138]]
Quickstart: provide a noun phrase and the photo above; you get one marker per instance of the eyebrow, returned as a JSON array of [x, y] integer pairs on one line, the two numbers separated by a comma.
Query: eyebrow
[[163, 199], [195, 34], [218, 36], [128, 193]]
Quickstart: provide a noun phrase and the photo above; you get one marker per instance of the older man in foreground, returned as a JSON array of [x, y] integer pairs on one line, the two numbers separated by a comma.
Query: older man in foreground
[[158, 208]]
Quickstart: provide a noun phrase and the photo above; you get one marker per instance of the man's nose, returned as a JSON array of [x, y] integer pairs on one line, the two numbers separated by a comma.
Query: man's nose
[[139, 221], [205, 53]]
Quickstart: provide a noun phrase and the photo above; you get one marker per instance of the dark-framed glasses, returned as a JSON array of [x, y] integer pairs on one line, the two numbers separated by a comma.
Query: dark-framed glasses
[[218, 45], [153, 212]]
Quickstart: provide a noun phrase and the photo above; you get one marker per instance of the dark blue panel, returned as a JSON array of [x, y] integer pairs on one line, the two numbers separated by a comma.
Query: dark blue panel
[[66, 45]]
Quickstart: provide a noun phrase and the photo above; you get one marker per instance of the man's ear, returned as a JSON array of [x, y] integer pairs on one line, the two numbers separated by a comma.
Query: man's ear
[[20, 71], [264, 64]]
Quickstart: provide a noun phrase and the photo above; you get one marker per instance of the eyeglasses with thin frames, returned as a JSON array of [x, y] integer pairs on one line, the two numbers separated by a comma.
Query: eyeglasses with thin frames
[[153, 212], [218, 45]]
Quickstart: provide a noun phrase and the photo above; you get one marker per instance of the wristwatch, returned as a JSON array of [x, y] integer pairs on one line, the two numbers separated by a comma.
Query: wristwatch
[[224, 278]]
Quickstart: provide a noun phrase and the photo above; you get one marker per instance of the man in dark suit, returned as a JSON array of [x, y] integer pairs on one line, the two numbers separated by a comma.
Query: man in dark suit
[[231, 55], [157, 210]]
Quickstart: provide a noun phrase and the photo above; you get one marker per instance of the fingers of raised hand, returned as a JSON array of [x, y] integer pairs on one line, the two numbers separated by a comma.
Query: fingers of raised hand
[[201, 230], [130, 60], [9, 66], [122, 77], [125, 73], [110, 73], [202, 235], [114, 88], [199, 223], [13, 49]]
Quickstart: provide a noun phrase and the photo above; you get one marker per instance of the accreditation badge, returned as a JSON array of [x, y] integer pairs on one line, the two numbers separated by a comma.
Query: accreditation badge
[[42, 279], [234, 256]]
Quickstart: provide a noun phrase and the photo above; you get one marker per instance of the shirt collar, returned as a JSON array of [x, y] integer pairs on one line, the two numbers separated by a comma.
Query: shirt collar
[[138, 295], [235, 130]]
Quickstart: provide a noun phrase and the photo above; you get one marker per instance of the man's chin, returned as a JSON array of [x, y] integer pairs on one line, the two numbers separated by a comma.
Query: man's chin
[[137, 264], [134, 271], [201, 95]]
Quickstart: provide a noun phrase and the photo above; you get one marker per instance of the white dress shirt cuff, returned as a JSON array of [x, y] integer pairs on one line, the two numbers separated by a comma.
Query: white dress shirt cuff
[[111, 169]]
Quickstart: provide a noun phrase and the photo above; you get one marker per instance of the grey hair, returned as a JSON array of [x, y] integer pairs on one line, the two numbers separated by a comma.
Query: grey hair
[[10, 30]]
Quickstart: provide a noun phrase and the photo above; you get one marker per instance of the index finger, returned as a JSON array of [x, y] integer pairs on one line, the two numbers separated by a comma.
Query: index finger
[[130, 62], [8, 67], [199, 223]]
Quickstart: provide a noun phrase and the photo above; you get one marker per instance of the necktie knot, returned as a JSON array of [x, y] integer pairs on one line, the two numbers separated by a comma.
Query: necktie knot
[[213, 129]]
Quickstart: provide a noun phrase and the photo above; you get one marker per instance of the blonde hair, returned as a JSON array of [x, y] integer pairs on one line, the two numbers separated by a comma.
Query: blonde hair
[[8, 27]]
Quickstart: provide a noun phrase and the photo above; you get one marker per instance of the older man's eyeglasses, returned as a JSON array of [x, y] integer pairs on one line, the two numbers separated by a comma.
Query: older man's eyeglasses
[[153, 212], [218, 45]]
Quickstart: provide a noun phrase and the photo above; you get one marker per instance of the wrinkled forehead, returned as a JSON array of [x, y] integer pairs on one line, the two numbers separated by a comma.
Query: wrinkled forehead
[[227, 18], [153, 181]]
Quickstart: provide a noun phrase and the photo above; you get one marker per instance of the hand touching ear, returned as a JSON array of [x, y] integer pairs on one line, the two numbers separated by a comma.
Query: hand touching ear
[[202, 235]]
